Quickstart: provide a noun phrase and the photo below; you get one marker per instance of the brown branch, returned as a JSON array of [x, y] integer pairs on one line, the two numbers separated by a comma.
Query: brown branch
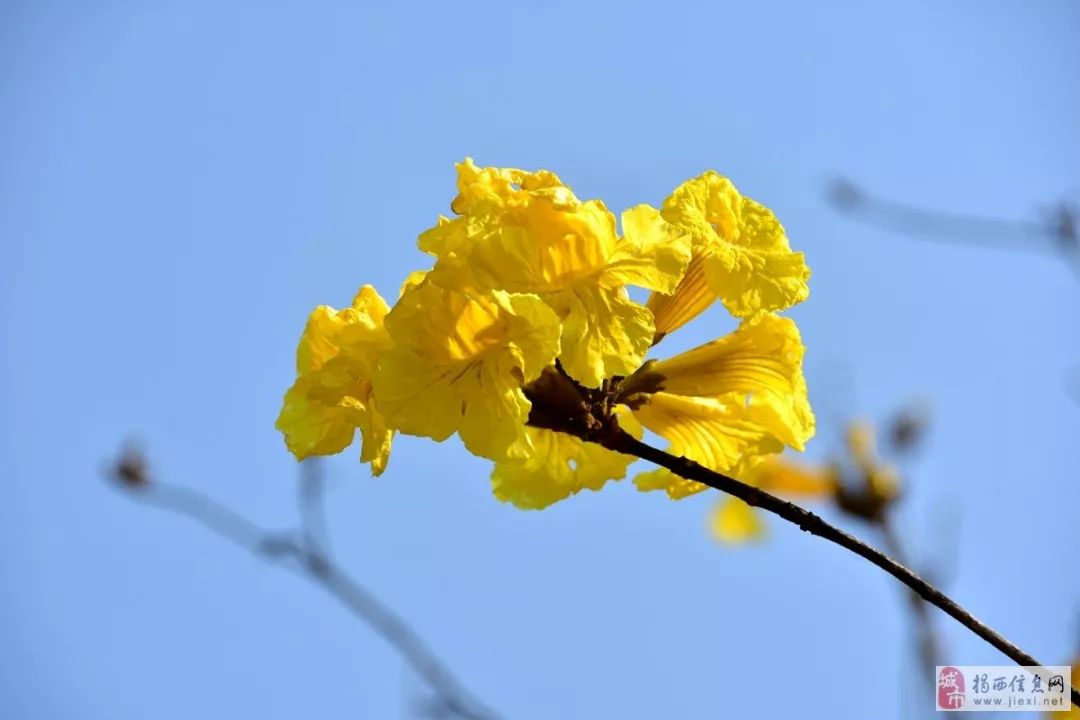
[[306, 556], [618, 440]]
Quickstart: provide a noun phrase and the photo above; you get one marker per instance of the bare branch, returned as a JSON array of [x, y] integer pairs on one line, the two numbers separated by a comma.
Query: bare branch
[[614, 438], [1056, 234], [305, 554], [592, 417]]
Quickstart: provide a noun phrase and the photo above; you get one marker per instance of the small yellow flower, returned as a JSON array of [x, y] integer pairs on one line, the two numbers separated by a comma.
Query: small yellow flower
[[734, 522], [527, 233], [558, 466], [727, 404], [332, 396], [741, 255], [862, 444], [458, 363], [881, 479]]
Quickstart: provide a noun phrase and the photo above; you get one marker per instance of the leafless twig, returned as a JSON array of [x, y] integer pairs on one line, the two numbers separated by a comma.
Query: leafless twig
[[614, 438], [1055, 234], [561, 404], [307, 554]]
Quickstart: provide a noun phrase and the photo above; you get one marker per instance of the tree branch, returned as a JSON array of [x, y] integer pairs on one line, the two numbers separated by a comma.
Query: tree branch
[[1056, 233], [305, 555], [618, 440]]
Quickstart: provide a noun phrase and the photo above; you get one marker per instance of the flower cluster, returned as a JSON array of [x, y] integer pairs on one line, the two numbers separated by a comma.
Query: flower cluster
[[523, 327]]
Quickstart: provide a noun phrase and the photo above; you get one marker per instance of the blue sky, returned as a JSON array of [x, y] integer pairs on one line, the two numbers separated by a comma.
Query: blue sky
[[182, 182]]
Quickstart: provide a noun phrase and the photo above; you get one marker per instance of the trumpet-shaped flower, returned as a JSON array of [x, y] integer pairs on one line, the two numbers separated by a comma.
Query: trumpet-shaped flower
[[726, 404], [558, 466], [458, 363], [527, 233], [332, 396], [741, 255]]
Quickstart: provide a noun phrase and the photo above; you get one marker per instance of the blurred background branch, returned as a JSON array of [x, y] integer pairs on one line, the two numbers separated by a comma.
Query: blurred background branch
[[871, 492], [306, 553], [1055, 233]]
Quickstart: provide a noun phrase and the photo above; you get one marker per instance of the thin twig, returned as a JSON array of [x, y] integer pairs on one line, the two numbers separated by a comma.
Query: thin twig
[[1057, 233], [620, 441], [306, 557]]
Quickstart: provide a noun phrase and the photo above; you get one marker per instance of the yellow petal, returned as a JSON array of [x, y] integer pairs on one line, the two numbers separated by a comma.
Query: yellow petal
[[707, 202], [544, 246], [518, 231], [558, 466], [319, 341], [356, 330], [690, 298], [733, 521], [748, 262], [729, 403], [721, 434], [758, 271], [321, 412], [332, 395], [504, 185], [412, 280], [862, 444], [605, 333], [783, 476], [651, 254], [446, 237], [762, 363], [459, 361], [377, 438]]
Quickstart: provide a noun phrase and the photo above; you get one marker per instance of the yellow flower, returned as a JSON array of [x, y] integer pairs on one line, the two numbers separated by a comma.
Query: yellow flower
[[558, 466], [862, 444], [741, 255], [527, 233], [733, 521], [499, 184], [332, 395], [526, 316], [458, 363], [881, 479], [483, 192], [726, 404]]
